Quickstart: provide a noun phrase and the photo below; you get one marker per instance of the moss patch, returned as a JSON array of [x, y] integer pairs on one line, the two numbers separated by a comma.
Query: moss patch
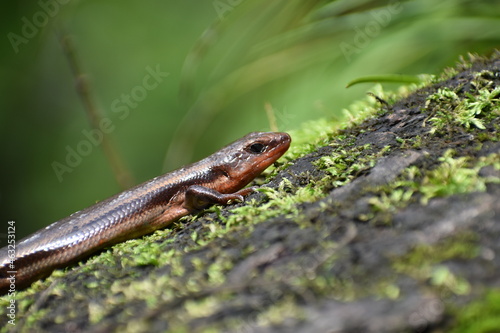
[[480, 316]]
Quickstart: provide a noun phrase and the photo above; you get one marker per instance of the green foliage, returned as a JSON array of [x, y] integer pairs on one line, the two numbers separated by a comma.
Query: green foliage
[[391, 78], [480, 316]]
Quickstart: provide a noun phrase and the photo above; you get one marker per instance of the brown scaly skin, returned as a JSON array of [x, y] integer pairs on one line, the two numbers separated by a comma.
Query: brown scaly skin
[[217, 179]]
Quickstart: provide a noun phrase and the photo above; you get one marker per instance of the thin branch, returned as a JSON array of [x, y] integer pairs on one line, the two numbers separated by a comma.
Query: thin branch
[[122, 174]]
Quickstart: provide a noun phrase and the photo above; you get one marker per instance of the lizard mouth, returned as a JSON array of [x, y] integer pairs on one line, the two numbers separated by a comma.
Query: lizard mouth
[[282, 143]]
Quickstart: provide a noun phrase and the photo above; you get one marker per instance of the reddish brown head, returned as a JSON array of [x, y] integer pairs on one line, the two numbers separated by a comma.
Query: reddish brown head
[[244, 159]]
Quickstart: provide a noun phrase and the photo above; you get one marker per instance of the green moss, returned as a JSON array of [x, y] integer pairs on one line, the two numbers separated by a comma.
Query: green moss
[[387, 203], [463, 245], [321, 132], [389, 290], [474, 109], [343, 165], [96, 312], [280, 311], [456, 175], [423, 262], [452, 176], [201, 308], [332, 287], [33, 318], [282, 201], [480, 316], [444, 279]]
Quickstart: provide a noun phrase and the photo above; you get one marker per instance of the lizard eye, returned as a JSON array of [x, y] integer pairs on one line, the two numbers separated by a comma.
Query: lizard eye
[[257, 148]]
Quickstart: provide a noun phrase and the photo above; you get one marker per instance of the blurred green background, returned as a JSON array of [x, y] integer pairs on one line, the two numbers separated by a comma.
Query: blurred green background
[[225, 60]]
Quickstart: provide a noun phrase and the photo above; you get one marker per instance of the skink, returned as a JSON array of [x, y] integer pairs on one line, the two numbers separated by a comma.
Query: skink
[[217, 179]]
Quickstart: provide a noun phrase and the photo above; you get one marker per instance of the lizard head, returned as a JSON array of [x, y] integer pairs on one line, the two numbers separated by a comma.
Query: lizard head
[[244, 159]]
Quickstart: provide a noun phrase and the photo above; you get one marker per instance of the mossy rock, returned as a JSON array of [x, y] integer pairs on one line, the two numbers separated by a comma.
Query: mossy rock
[[388, 222]]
